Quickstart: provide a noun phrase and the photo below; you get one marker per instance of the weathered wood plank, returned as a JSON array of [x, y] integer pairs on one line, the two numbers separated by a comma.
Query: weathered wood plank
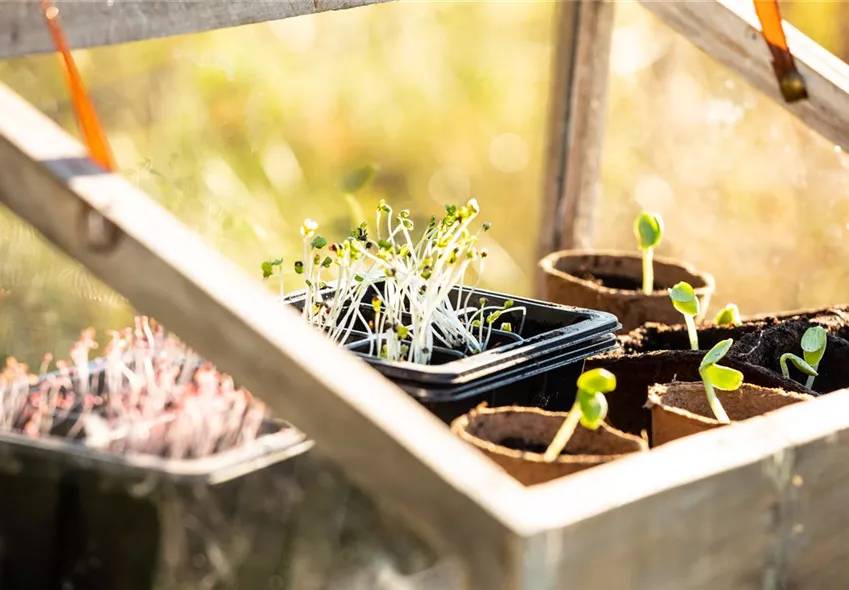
[[383, 439], [576, 121], [760, 504], [91, 23], [728, 31]]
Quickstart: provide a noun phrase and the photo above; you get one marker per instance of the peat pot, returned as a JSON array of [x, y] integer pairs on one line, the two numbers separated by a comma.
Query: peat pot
[[612, 282], [516, 439], [681, 409]]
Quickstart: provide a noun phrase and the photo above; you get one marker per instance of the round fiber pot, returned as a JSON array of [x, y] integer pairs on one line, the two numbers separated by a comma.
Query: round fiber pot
[[765, 348], [612, 282], [638, 372], [516, 438], [681, 409]]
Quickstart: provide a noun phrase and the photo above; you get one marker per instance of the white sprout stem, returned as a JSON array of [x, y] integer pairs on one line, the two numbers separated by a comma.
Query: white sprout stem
[[648, 271], [691, 332], [564, 433], [809, 383], [713, 400]]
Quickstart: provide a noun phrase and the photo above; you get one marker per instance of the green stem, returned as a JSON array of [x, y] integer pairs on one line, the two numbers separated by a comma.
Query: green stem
[[715, 406], [648, 271], [691, 331], [782, 362], [810, 382], [563, 434]]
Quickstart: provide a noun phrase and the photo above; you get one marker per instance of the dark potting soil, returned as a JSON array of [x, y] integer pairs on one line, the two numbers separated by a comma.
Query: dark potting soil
[[655, 336], [518, 444], [610, 281], [764, 348]]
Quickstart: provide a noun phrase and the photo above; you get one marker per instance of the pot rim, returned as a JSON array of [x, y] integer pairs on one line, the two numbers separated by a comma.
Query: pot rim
[[549, 265], [460, 428]]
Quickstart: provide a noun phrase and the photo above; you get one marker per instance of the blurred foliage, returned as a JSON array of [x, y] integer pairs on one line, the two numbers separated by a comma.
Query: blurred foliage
[[243, 133]]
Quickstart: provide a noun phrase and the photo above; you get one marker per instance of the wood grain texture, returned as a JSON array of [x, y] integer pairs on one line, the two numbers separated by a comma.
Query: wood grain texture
[[577, 112], [384, 440], [728, 31], [91, 23], [760, 504]]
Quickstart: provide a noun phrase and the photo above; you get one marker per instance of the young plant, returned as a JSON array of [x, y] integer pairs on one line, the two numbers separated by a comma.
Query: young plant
[[814, 341], [590, 409], [716, 376], [268, 270], [648, 227], [728, 316], [685, 301], [799, 363]]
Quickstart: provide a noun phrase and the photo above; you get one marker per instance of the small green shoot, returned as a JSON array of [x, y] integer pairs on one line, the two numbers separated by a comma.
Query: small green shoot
[[814, 341], [685, 301], [268, 269], [728, 316], [799, 363], [590, 409], [648, 227], [716, 376]]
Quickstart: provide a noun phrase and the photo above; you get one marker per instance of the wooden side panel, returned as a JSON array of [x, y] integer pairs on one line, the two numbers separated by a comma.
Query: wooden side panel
[[760, 504], [383, 439], [728, 31], [90, 23], [577, 111]]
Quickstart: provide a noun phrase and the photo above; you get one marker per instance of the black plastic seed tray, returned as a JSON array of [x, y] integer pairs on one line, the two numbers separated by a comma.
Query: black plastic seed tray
[[79, 517], [546, 329]]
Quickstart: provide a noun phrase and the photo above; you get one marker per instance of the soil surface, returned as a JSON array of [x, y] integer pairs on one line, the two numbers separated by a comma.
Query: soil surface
[[654, 336], [615, 282], [764, 348], [518, 444]]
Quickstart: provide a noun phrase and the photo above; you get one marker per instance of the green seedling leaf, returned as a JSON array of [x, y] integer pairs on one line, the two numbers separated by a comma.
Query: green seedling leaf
[[717, 353], [724, 378], [814, 342], [593, 409], [299, 267], [728, 316], [684, 299], [318, 242], [597, 381], [359, 178], [506, 327], [648, 227], [268, 267], [798, 363]]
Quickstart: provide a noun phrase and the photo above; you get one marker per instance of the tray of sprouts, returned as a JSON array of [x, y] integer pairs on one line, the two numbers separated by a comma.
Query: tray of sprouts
[[401, 299], [103, 460]]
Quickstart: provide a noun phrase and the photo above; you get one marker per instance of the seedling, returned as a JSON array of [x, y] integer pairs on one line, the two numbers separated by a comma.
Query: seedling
[[268, 270], [716, 376], [685, 301], [728, 316], [799, 363], [648, 227], [814, 341], [589, 409]]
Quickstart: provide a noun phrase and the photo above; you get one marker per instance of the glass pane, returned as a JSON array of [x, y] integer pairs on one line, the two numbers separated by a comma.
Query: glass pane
[[748, 193]]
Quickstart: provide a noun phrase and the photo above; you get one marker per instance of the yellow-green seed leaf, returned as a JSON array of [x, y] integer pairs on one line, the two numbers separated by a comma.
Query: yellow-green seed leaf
[[648, 227], [715, 354], [798, 363], [597, 381], [728, 316], [814, 341], [724, 378], [684, 299], [593, 409]]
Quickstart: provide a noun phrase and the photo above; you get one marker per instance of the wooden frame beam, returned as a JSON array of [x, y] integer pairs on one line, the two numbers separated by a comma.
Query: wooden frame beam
[[576, 121], [91, 23], [729, 32]]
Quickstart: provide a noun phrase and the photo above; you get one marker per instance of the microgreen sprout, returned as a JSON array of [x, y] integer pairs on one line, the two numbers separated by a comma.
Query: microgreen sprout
[[716, 376], [589, 409], [268, 270], [685, 301], [413, 278], [799, 363], [814, 341], [648, 227], [728, 316]]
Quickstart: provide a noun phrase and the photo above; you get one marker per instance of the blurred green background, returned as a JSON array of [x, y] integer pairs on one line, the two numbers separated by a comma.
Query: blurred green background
[[243, 133]]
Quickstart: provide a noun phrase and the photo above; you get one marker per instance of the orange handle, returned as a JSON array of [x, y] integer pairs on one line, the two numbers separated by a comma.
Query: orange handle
[[790, 81], [90, 127]]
